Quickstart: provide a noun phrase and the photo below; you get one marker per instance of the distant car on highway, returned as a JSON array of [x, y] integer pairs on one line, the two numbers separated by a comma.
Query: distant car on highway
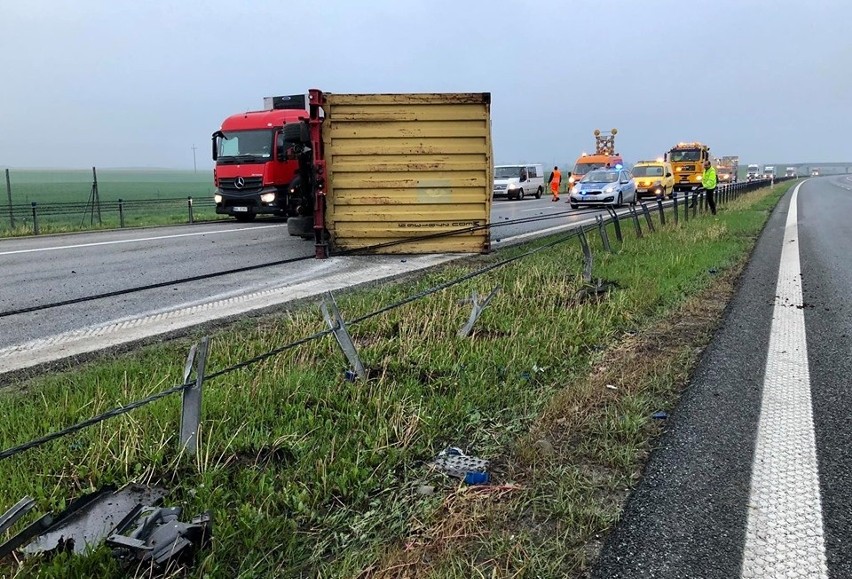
[[518, 181], [604, 187], [653, 179]]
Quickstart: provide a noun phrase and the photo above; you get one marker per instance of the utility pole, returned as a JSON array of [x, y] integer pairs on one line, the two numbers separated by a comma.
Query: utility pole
[[194, 166]]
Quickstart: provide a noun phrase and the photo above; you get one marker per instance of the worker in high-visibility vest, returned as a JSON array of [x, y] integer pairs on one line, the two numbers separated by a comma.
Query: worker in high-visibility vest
[[709, 182], [555, 180]]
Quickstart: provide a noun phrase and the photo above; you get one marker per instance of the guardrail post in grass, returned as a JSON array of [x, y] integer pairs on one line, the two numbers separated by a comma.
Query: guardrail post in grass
[[662, 213], [694, 205], [190, 415], [9, 195], [614, 214], [121, 212], [587, 256], [35, 219], [636, 224], [602, 231], [335, 322], [701, 196], [686, 206], [476, 310], [189, 208], [648, 219], [674, 206]]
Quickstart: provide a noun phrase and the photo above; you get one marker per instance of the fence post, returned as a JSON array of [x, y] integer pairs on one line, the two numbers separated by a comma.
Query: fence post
[[9, 194], [190, 415], [121, 212], [35, 219], [662, 213], [686, 206], [189, 207]]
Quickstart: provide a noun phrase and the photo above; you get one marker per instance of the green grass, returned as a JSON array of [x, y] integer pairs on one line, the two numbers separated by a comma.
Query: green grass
[[309, 475], [46, 187]]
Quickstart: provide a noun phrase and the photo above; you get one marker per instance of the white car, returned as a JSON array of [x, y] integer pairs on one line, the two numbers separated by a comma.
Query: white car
[[518, 181], [604, 187]]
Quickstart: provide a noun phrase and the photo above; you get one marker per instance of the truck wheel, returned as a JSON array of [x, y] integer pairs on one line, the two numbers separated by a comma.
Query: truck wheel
[[539, 192], [574, 206], [521, 195], [245, 217], [302, 226]]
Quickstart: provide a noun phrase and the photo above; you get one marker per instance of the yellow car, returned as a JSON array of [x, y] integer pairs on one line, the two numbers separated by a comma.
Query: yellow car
[[653, 179]]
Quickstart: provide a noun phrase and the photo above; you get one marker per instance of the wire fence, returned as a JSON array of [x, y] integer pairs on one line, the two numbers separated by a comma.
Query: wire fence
[[680, 208]]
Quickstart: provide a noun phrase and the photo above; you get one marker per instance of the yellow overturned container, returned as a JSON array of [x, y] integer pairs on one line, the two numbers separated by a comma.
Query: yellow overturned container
[[402, 168]]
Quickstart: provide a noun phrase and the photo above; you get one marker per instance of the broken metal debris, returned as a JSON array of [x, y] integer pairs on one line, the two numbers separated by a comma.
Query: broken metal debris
[[159, 537], [21, 508], [89, 519]]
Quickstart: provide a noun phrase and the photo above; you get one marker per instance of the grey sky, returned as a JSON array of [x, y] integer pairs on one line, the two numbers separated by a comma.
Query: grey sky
[[115, 83]]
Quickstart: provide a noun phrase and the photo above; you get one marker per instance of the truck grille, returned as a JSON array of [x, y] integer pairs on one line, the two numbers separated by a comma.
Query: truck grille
[[250, 184], [688, 168]]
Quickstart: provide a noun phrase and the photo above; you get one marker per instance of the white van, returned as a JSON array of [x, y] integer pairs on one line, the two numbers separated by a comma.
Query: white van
[[518, 181]]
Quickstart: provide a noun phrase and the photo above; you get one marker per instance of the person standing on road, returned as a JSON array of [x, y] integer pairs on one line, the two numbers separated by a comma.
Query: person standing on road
[[555, 181], [709, 181]]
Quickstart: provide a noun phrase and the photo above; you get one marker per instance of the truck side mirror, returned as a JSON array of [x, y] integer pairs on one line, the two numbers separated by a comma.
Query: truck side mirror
[[668, 174], [215, 149]]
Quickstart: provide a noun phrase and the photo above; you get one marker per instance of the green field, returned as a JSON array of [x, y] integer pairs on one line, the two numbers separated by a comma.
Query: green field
[[309, 475], [47, 188]]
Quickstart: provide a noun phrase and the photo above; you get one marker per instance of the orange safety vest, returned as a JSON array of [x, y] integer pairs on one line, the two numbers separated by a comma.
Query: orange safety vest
[[557, 179]]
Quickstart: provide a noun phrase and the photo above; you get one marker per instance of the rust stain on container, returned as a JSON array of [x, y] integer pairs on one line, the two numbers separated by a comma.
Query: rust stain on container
[[403, 166]]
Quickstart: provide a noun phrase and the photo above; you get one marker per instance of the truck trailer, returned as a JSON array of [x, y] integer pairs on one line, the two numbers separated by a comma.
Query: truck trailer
[[378, 173]]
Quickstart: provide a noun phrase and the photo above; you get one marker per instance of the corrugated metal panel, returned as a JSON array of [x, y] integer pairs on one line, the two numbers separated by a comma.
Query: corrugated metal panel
[[402, 166]]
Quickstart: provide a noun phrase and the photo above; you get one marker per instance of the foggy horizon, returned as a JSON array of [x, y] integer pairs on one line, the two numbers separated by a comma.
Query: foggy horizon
[[136, 86]]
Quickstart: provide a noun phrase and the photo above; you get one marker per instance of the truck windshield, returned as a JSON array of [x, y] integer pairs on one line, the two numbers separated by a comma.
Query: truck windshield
[[583, 168], [507, 172], [649, 171], [245, 146], [680, 156]]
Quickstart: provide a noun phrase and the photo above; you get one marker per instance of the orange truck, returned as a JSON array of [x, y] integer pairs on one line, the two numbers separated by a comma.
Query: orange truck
[[687, 160], [604, 155]]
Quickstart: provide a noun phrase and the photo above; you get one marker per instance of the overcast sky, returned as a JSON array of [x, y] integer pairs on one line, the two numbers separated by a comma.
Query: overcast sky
[[115, 83]]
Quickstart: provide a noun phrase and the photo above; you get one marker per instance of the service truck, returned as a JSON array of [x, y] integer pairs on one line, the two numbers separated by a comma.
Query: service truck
[[791, 172], [753, 173], [769, 171], [727, 168], [387, 173], [688, 160], [604, 156], [814, 172]]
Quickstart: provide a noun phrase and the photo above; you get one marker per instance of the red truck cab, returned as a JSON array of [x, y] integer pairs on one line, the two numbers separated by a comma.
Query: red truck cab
[[253, 174]]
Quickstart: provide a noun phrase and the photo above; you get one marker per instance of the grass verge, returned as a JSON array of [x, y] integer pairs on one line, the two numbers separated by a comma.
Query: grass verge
[[309, 475]]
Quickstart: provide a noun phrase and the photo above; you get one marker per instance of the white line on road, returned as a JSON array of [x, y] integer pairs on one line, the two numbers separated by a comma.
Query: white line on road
[[138, 239], [784, 537]]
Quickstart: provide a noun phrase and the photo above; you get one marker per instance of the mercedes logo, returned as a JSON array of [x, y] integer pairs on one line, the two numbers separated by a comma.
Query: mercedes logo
[[239, 182]]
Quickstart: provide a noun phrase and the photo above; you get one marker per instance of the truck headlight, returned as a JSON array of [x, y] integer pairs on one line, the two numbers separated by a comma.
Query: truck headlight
[[217, 198], [698, 177], [512, 186], [267, 197]]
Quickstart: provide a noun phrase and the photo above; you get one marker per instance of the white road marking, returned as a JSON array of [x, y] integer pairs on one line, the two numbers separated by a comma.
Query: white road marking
[[138, 239], [784, 536]]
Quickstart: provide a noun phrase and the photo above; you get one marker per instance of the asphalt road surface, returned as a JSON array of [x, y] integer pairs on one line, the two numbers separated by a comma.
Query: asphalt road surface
[[46, 270], [752, 477]]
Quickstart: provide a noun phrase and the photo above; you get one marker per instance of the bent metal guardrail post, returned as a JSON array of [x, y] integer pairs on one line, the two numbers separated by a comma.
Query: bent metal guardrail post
[[190, 415], [614, 214], [662, 213], [647, 214], [599, 220], [636, 225], [674, 208], [587, 256], [21, 508], [476, 310], [338, 327]]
